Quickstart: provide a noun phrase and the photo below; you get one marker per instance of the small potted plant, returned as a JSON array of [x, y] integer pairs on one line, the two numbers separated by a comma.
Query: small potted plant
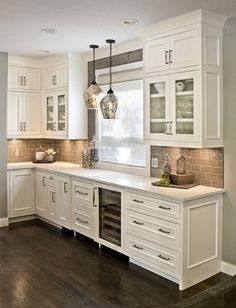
[[50, 155]]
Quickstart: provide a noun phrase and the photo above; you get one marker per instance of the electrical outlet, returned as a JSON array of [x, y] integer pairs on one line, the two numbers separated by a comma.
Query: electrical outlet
[[154, 162]]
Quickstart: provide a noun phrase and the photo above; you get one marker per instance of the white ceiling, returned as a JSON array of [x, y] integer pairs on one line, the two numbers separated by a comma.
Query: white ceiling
[[83, 22]]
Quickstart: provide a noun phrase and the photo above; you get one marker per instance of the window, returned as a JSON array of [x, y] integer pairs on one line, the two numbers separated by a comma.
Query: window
[[121, 140]]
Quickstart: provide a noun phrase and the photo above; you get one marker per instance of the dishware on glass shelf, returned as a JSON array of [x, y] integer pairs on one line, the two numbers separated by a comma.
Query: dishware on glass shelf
[[180, 86], [160, 88]]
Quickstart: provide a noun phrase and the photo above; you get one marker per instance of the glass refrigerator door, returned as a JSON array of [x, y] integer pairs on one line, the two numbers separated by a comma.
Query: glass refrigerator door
[[110, 216]]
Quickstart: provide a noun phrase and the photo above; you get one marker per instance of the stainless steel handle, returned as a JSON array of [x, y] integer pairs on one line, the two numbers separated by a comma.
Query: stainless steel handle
[[54, 80], [51, 178], [24, 126], [21, 81], [163, 231], [53, 197], [94, 196], [65, 187], [20, 127], [166, 57], [138, 222], [170, 128], [54, 126], [82, 221], [137, 247], [81, 193], [43, 181], [138, 201], [164, 258], [24, 81], [170, 56], [164, 208]]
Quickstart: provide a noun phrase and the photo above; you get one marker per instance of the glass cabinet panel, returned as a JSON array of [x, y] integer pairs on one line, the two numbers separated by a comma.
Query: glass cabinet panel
[[110, 216], [184, 92], [61, 112], [157, 107], [50, 110]]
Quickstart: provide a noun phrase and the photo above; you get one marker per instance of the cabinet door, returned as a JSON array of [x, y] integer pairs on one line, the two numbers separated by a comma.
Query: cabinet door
[[52, 204], [50, 114], [31, 114], [21, 193], [32, 79], [14, 114], [185, 110], [184, 50], [41, 195], [157, 108], [61, 110], [63, 201], [156, 54], [15, 78], [55, 77]]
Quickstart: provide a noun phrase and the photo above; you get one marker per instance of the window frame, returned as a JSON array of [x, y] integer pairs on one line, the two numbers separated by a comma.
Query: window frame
[[116, 166]]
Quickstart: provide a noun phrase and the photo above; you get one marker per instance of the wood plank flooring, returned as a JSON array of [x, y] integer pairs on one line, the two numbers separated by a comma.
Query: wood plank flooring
[[41, 266]]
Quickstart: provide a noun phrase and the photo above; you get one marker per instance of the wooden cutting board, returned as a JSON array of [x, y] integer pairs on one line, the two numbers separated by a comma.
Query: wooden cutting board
[[183, 186]]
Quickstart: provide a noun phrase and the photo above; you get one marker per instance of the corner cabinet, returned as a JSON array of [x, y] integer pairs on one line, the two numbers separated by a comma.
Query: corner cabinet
[[183, 81]]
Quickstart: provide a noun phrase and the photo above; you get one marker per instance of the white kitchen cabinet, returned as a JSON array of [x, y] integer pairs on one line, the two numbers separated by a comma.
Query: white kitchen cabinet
[[188, 50], [63, 201], [23, 115], [21, 193], [55, 77], [172, 113], [41, 194], [24, 78], [52, 204], [55, 114]]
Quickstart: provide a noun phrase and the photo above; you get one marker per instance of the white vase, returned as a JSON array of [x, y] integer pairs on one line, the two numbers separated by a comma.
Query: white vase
[[180, 86]]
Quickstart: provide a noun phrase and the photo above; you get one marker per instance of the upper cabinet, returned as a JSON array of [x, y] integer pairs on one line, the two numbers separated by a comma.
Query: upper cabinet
[[24, 78], [55, 77], [183, 81]]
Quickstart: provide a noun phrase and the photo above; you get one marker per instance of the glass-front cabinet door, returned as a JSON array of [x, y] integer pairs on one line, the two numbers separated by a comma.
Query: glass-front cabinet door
[[61, 103], [184, 108], [158, 108], [50, 113]]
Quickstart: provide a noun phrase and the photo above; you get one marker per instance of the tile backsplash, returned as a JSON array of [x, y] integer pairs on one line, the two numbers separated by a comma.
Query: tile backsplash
[[24, 150], [207, 165]]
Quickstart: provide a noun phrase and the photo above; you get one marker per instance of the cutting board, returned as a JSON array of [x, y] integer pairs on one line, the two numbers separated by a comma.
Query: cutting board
[[183, 186]]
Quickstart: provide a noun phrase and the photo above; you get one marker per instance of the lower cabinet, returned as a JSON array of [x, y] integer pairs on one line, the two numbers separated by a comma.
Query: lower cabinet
[[63, 201], [82, 220], [22, 194], [41, 194]]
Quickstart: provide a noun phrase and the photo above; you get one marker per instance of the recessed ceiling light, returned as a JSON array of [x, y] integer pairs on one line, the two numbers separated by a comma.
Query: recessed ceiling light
[[130, 22], [48, 30], [44, 51]]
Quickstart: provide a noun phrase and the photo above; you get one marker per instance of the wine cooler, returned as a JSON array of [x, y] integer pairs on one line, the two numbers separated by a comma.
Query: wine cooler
[[110, 216]]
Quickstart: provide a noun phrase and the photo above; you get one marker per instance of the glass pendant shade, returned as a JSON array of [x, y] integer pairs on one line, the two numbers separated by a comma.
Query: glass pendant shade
[[109, 103], [91, 93]]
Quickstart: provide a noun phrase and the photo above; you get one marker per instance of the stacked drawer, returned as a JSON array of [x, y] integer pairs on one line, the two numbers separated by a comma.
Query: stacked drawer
[[82, 208], [153, 232]]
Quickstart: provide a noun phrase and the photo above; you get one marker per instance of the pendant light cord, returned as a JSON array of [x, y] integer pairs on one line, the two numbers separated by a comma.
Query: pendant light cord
[[110, 64], [94, 77]]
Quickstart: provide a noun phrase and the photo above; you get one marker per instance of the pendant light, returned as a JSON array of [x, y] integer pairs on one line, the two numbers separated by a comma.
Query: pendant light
[[91, 93], [109, 103]]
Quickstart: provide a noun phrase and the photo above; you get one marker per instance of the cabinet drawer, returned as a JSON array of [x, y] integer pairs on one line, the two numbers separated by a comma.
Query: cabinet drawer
[[152, 254], [151, 228], [51, 179], [159, 206], [82, 192], [82, 220]]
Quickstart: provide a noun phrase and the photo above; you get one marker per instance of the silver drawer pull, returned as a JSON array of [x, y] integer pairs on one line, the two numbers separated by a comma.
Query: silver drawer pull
[[51, 178], [164, 208], [138, 222], [138, 201], [82, 221], [81, 193], [65, 187], [137, 247], [163, 231], [164, 258]]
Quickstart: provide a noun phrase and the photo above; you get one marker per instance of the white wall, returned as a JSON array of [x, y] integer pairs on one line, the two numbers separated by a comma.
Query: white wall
[[3, 125], [229, 79]]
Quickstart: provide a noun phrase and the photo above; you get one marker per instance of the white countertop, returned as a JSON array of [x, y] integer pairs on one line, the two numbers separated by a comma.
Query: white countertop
[[124, 180]]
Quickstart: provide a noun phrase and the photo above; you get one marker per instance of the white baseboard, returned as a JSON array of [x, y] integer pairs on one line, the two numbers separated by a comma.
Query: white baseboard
[[228, 268], [4, 222]]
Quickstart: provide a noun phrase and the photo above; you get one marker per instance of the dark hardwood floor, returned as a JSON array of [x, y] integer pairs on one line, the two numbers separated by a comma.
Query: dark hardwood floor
[[41, 266]]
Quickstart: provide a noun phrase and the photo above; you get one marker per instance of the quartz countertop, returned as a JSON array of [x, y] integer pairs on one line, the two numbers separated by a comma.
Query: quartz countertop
[[128, 181]]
